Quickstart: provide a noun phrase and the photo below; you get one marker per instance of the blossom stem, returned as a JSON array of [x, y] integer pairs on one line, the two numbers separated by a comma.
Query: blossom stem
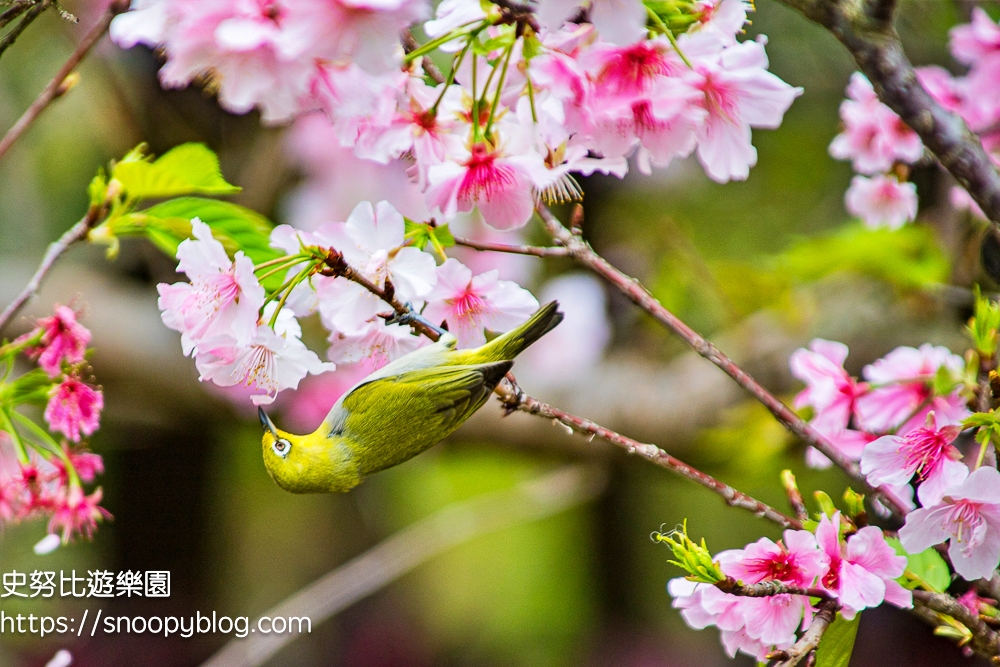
[[16, 346], [531, 96], [451, 74], [476, 134], [665, 29], [59, 85], [51, 446], [444, 39], [534, 251], [15, 438], [496, 98], [276, 271], [581, 251], [286, 259], [293, 283]]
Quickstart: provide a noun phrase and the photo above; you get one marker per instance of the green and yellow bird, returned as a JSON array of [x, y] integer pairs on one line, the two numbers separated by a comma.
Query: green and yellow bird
[[398, 411]]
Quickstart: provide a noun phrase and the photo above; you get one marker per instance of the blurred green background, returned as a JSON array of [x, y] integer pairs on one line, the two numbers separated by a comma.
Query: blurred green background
[[755, 265]]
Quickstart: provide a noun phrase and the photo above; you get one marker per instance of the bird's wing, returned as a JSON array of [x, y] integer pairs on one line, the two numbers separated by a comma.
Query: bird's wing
[[394, 418]]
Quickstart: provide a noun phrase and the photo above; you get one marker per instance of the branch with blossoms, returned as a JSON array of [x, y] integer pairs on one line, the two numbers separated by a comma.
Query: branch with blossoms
[[533, 97]]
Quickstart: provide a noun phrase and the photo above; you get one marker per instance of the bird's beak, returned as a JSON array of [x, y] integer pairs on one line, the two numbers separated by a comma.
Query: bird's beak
[[266, 422]]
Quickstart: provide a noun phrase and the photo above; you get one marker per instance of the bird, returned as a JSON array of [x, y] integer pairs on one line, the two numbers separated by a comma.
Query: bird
[[398, 411]]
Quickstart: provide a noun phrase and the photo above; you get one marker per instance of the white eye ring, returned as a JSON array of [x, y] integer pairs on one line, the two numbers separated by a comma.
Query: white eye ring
[[281, 447]]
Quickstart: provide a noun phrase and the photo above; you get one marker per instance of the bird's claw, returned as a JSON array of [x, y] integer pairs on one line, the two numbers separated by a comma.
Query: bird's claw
[[411, 317]]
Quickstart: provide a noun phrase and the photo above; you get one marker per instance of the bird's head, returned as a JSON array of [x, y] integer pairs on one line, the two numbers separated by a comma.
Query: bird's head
[[313, 463]]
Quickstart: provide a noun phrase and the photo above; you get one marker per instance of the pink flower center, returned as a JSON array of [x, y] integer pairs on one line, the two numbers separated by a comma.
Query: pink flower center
[[259, 367], [217, 291], [925, 448], [485, 178], [831, 580], [720, 100], [632, 68], [967, 524], [468, 304], [780, 566]]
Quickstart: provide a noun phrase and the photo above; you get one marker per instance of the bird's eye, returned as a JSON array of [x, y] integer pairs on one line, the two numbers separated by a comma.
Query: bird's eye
[[281, 447]]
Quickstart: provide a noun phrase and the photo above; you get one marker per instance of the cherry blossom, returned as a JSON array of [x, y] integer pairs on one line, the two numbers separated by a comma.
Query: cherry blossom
[[223, 298], [881, 201], [927, 453], [874, 137], [74, 408], [829, 391], [862, 571], [269, 363], [618, 21], [77, 514], [902, 384], [63, 339], [739, 94], [969, 516], [374, 347], [470, 304]]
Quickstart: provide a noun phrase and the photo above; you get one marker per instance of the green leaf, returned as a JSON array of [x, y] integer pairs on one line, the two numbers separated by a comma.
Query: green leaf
[[98, 188], [32, 387], [926, 569], [837, 645], [183, 170]]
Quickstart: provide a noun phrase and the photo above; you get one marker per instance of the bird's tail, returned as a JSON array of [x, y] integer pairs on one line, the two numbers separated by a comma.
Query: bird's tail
[[516, 341]]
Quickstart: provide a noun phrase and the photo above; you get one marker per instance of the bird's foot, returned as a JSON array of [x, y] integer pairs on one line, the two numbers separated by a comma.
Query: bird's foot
[[411, 317]]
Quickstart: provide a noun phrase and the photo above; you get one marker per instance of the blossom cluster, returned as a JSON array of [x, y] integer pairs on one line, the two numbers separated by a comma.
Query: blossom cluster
[[239, 333], [528, 104], [40, 476], [855, 566], [881, 147]]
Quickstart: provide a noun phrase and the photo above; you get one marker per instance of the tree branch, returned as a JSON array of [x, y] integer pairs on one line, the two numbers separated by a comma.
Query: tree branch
[[54, 251], [984, 640], [581, 251], [768, 588], [875, 46], [810, 639], [514, 399], [534, 251], [57, 87], [402, 552]]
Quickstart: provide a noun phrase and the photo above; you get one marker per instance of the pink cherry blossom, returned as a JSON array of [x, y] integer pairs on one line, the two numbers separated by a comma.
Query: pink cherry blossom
[[618, 21], [74, 408], [223, 298], [974, 41], [861, 572], [77, 514], [86, 464], [487, 179], [881, 201], [797, 561], [902, 383], [63, 340], [874, 137], [270, 363], [926, 453], [470, 304], [372, 242], [829, 391], [969, 516], [850, 442], [375, 346], [739, 94]]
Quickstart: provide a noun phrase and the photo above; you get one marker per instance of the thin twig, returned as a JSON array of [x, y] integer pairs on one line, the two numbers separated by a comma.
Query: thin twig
[[581, 251], [794, 495], [54, 251], [15, 10], [810, 639], [514, 400], [29, 16], [57, 86], [402, 552], [534, 251]]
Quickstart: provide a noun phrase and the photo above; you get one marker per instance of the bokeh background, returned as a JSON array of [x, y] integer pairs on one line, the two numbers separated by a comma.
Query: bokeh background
[[761, 267]]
